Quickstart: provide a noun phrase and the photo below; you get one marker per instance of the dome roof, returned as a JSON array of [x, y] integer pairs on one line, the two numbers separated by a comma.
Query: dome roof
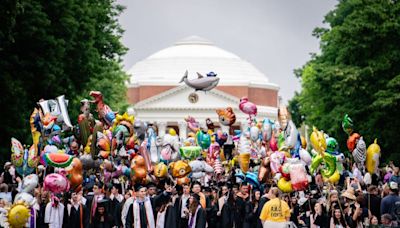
[[196, 54]]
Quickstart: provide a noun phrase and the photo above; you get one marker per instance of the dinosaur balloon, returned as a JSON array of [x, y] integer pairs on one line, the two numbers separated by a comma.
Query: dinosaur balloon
[[106, 115]]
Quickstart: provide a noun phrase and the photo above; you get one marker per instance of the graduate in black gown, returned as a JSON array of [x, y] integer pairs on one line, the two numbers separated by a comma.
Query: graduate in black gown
[[116, 200], [75, 213], [242, 199], [197, 214], [93, 198], [182, 207], [228, 211], [140, 214], [102, 218]]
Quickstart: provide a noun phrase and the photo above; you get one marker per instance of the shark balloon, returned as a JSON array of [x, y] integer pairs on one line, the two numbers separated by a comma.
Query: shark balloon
[[201, 83]]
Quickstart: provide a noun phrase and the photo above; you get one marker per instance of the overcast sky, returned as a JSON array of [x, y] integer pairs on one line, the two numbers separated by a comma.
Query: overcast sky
[[274, 35]]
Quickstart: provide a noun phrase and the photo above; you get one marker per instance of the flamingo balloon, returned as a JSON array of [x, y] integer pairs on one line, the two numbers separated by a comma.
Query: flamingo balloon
[[247, 107]]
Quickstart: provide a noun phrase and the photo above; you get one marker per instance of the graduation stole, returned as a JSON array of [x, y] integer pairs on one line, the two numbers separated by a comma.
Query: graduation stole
[[69, 207], [81, 215], [149, 213]]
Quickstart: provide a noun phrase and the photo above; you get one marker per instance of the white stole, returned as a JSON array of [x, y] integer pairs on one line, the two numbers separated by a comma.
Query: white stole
[[54, 215], [149, 213]]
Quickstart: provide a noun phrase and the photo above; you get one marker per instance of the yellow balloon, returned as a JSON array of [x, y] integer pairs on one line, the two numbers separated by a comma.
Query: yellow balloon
[[284, 185], [244, 162], [172, 132], [373, 154], [318, 141], [303, 142], [334, 179], [18, 215], [161, 170]]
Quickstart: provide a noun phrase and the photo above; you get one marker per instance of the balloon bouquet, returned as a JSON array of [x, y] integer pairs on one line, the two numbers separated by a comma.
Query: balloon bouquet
[[363, 157], [126, 149]]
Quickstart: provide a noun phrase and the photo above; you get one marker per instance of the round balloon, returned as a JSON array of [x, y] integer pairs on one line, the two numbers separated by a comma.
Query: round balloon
[[332, 146], [285, 185], [29, 183], [203, 139], [25, 197], [56, 183], [18, 215], [161, 170]]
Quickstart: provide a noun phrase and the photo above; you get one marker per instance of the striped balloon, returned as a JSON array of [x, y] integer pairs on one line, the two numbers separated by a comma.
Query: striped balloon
[[359, 153], [218, 169]]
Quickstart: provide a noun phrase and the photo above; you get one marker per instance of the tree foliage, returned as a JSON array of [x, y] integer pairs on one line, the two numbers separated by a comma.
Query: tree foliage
[[357, 72], [50, 48]]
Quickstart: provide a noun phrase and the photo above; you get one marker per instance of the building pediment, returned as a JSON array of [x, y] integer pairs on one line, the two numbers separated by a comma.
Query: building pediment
[[184, 97]]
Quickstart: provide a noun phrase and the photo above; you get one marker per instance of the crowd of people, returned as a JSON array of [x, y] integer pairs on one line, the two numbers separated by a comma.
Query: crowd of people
[[357, 201], [120, 172]]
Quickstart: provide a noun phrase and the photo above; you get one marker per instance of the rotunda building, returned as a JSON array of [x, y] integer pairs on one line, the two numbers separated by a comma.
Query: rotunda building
[[157, 96]]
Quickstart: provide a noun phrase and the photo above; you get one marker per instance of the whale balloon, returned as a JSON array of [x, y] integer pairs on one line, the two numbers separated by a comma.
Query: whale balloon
[[200, 83]]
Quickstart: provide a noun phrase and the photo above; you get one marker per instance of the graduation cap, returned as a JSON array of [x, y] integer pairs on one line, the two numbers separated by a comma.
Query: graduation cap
[[196, 196], [138, 186], [102, 203], [207, 189], [151, 185], [118, 186]]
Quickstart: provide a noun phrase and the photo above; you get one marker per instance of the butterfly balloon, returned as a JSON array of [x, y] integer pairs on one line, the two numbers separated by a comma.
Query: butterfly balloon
[[24, 160]]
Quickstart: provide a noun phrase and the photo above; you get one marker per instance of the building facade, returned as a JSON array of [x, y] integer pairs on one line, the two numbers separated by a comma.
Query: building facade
[[157, 96]]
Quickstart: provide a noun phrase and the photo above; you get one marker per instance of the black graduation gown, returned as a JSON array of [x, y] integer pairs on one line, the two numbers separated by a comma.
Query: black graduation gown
[[249, 218], [158, 201], [72, 219], [105, 224], [212, 218], [228, 215], [201, 218], [115, 211], [261, 203], [181, 222], [241, 211], [90, 203], [40, 216], [170, 217], [142, 213]]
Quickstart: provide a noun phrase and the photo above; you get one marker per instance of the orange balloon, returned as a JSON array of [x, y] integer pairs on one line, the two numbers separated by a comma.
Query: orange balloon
[[75, 174], [138, 169]]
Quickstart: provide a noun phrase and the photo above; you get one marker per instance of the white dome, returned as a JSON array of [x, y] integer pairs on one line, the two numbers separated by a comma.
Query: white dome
[[195, 54]]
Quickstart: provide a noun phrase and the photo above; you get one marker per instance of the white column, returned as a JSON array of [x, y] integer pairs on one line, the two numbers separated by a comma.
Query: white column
[[162, 127], [182, 129]]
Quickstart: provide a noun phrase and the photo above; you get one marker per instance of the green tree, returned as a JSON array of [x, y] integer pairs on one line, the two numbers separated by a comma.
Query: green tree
[[50, 48], [357, 72]]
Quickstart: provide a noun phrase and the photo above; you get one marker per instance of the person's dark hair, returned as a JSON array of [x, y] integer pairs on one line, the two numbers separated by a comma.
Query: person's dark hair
[[340, 221], [253, 196], [98, 184], [97, 215], [195, 203], [361, 200]]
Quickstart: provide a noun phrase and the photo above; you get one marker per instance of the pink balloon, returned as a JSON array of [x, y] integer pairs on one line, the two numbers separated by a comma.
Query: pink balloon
[[277, 158], [273, 144], [56, 183]]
